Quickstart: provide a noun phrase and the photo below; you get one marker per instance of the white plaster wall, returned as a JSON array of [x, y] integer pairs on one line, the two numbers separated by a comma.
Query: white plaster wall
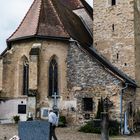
[[9, 108]]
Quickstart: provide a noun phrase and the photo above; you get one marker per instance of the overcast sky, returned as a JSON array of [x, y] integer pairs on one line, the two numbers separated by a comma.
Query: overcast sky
[[11, 13]]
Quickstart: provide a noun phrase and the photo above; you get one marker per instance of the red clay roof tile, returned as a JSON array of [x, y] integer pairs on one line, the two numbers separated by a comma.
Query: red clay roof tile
[[28, 26], [51, 18], [72, 4], [41, 19]]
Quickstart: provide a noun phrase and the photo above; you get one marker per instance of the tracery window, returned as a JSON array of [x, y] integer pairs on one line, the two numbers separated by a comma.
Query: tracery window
[[53, 77]]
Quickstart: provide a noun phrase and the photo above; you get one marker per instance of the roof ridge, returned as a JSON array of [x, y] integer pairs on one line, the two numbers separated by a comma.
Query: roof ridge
[[57, 15], [59, 18], [38, 18], [54, 13]]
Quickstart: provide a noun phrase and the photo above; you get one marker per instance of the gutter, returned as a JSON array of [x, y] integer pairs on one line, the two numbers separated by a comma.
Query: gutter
[[121, 106], [125, 129]]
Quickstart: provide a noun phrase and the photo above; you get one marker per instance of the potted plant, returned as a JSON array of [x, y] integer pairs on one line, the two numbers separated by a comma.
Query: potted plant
[[16, 118]]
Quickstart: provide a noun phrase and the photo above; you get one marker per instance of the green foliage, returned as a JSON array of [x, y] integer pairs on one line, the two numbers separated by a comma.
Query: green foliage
[[90, 128], [62, 121], [16, 118], [95, 127], [99, 109], [114, 127]]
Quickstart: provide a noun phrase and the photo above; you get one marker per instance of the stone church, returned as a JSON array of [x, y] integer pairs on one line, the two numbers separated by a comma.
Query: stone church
[[64, 55]]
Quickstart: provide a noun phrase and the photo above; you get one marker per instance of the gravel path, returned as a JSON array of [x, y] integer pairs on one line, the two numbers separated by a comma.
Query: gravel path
[[69, 133]]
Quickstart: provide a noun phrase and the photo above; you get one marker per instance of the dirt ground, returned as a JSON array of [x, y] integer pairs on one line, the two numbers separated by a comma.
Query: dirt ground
[[68, 133]]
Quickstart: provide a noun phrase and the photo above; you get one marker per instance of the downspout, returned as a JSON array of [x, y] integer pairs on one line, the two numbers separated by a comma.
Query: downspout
[[121, 105]]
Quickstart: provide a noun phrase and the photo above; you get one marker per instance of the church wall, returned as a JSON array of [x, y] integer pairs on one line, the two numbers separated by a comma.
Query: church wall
[[48, 50], [12, 63], [137, 46], [80, 76], [33, 72], [38, 72], [113, 31], [88, 79]]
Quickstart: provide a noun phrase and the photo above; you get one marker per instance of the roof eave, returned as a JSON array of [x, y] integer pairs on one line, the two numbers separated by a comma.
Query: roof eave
[[9, 42], [88, 8], [39, 37]]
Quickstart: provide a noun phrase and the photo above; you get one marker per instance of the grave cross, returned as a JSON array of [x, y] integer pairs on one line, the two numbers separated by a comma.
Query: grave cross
[[55, 96], [105, 120]]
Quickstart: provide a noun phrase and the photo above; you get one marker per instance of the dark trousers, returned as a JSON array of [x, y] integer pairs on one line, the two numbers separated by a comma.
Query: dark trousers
[[52, 132]]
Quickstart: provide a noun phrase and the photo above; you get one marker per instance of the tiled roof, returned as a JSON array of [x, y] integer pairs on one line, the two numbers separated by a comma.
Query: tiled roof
[[73, 24], [52, 19], [72, 4], [41, 19], [28, 26]]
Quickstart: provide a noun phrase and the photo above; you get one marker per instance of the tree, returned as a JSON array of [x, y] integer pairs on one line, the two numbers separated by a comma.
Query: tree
[[99, 108]]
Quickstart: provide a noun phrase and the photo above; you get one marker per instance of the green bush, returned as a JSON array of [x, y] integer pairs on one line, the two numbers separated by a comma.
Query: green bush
[[16, 118], [90, 127], [95, 127], [62, 121], [114, 127]]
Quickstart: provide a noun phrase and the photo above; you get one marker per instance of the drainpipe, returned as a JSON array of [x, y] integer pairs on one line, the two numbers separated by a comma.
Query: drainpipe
[[121, 105]]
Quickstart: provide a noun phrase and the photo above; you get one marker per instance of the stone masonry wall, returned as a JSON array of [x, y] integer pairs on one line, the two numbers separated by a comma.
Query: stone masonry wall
[[88, 79], [113, 31], [13, 69], [80, 76], [137, 46]]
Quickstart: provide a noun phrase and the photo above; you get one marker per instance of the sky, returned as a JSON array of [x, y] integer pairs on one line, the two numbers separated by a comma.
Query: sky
[[12, 12]]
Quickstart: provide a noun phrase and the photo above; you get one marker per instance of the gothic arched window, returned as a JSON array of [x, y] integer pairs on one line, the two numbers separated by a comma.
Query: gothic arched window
[[53, 78], [25, 78]]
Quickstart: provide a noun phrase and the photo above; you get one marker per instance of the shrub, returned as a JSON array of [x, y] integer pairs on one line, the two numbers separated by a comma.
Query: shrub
[[16, 118], [91, 127], [114, 127], [62, 121], [95, 127]]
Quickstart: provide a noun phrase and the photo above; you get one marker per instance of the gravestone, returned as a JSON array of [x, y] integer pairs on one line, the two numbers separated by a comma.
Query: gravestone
[[34, 130]]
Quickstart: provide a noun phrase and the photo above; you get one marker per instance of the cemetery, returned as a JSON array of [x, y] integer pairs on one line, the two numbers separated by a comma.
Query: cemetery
[[78, 62]]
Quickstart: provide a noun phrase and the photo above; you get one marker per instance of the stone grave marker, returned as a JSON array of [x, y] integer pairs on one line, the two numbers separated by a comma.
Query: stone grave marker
[[34, 130]]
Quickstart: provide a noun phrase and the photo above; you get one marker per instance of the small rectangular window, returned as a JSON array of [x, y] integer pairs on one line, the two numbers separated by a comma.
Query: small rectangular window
[[113, 2], [21, 109], [87, 104]]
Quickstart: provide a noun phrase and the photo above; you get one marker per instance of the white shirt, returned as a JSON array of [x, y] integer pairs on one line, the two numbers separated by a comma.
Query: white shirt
[[53, 118]]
